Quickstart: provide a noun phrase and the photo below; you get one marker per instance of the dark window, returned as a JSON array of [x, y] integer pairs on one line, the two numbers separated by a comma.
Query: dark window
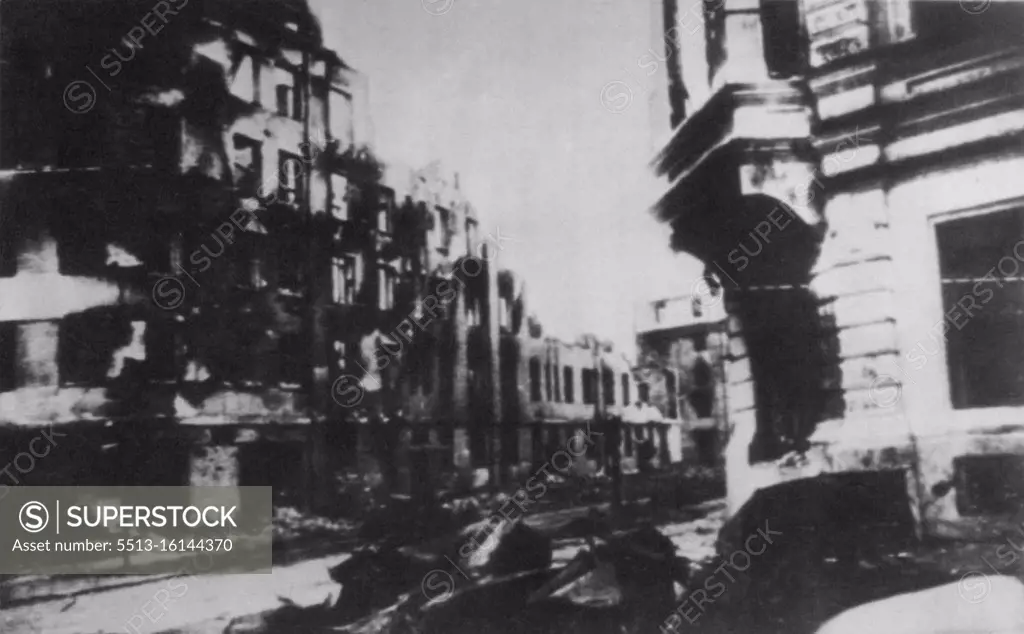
[[161, 345], [535, 380], [421, 365], [292, 353], [700, 343], [248, 165], [643, 392], [783, 47], [569, 388], [558, 384], [343, 276], [670, 394], [291, 265], [444, 230], [415, 372], [589, 386], [8, 245], [593, 445], [86, 344], [547, 381], [292, 179], [386, 211], [81, 142], [702, 398], [81, 250], [989, 485], [608, 386], [983, 302], [430, 355], [289, 96], [8, 354], [339, 197], [625, 389]]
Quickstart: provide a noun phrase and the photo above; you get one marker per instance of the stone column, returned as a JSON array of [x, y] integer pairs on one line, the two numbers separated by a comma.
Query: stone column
[[741, 480], [499, 454], [460, 365], [854, 276]]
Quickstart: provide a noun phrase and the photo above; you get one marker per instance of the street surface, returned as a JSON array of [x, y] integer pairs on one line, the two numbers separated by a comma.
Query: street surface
[[206, 604]]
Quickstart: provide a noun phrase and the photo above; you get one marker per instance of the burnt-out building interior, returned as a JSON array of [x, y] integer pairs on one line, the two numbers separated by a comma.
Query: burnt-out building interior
[[172, 199]]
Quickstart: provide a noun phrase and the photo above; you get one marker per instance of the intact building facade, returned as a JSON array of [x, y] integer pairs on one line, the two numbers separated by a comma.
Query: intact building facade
[[847, 172]]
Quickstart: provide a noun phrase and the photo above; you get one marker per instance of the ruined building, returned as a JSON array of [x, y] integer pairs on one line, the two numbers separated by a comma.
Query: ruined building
[[431, 354], [848, 172], [682, 346], [207, 277], [473, 387], [189, 219]]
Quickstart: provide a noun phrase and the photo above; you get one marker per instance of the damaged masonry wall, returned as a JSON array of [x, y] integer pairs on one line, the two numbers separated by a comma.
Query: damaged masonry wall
[[140, 277]]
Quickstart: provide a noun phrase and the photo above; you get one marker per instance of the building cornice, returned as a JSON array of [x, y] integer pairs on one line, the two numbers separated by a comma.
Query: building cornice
[[748, 139]]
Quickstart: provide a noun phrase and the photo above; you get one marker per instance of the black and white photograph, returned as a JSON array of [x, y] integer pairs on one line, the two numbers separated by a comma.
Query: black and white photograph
[[511, 316]]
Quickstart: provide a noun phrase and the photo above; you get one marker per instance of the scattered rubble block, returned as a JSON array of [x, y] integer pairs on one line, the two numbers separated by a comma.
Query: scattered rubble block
[[291, 524], [621, 583]]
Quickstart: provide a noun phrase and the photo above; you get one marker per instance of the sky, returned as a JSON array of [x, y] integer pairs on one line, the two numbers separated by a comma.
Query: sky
[[509, 95]]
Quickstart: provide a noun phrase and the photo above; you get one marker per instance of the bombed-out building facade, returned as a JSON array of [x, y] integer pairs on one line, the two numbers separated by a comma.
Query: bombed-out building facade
[[847, 173], [179, 185], [681, 351], [208, 277]]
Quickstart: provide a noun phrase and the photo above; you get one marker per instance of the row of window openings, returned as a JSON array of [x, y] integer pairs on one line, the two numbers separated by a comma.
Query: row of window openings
[[976, 380], [345, 282], [290, 99], [84, 357], [252, 265], [420, 376], [843, 29], [554, 392], [291, 186]]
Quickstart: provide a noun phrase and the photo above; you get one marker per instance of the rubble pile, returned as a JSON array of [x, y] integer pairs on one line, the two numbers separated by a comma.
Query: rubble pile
[[291, 524]]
